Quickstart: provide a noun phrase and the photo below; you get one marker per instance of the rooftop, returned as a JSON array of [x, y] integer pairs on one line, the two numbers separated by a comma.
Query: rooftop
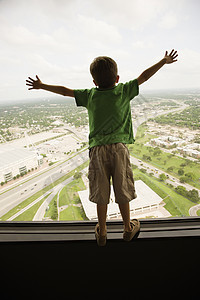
[[146, 198], [12, 156]]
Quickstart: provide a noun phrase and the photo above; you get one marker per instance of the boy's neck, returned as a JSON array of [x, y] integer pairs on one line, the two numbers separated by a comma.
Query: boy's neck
[[107, 88]]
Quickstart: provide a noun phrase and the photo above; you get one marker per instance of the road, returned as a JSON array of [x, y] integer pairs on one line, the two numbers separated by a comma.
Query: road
[[193, 210], [18, 194], [29, 206], [42, 209]]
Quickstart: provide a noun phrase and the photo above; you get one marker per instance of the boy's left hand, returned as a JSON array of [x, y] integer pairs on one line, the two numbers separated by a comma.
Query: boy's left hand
[[171, 58]]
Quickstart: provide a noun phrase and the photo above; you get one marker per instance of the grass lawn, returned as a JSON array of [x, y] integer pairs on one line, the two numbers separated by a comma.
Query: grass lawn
[[164, 160], [72, 213], [69, 196], [176, 204], [51, 209], [30, 213]]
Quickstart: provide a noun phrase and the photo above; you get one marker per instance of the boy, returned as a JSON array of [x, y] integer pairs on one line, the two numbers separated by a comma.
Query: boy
[[110, 126]]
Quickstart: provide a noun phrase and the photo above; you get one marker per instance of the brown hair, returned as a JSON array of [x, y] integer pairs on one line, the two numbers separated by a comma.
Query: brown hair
[[104, 71]]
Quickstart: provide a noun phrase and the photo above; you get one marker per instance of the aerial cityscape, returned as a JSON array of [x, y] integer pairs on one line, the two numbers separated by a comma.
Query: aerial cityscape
[[44, 158]]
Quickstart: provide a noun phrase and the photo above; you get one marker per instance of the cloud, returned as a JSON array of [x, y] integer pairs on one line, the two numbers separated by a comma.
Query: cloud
[[169, 21], [142, 44], [98, 30], [189, 62], [21, 36], [134, 14]]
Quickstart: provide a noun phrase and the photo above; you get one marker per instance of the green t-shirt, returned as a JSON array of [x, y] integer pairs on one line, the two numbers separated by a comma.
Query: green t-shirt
[[109, 113]]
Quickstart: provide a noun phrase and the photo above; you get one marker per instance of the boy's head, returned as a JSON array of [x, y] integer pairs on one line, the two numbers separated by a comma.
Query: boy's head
[[104, 72]]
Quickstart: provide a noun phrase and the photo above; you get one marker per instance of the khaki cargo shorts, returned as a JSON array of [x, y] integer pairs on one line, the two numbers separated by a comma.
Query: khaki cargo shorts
[[108, 161]]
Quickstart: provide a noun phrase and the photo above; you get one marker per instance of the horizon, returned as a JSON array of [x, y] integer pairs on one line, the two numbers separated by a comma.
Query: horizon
[[51, 97]]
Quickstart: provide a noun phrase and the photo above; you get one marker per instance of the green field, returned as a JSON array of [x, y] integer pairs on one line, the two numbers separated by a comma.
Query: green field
[[69, 196], [163, 160]]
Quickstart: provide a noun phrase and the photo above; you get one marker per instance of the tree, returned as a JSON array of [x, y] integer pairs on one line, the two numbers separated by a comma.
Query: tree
[[77, 175], [193, 195], [134, 166], [180, 172], [162, 177], [183, 179], [181, 190], [157, 151], [54, 214], [170, 169], [146, 157], [183, 165], [190, 176]]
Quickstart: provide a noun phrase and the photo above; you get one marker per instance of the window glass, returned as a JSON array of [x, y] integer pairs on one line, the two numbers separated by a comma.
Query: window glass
[[44, 153]]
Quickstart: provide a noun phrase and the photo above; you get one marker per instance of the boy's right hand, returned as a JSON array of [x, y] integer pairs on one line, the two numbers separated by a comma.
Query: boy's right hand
[[34, 84]]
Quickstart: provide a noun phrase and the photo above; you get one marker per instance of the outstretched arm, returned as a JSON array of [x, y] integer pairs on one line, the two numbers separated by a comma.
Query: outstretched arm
[[168, 59], [37, 84]]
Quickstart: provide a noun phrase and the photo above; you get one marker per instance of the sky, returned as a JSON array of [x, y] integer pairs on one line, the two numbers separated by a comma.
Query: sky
[[58, 39]]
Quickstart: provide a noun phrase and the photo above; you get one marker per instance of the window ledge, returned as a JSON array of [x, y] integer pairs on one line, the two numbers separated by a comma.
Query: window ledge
[[84, 230]]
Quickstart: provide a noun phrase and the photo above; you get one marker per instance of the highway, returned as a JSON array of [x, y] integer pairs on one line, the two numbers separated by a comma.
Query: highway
[[21, 192]]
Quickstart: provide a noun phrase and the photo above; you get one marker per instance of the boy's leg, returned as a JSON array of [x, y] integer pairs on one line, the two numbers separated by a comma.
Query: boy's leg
[[102, 212], [123, 182], [125, 212]]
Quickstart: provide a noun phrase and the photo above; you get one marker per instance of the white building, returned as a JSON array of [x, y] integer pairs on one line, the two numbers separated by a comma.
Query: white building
[[17, 161], [167, 141], [146, 203]]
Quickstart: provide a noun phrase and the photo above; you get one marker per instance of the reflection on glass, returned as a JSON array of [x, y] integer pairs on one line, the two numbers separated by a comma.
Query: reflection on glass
[[44, 159]]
